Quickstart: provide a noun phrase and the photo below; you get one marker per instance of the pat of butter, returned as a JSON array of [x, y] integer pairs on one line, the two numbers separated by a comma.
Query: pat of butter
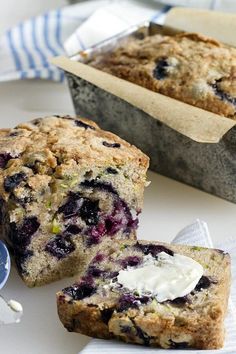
[[166, 277]]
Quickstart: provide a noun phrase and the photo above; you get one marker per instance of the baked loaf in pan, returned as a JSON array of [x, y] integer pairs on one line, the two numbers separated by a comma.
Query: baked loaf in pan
[[66, 186], [100, 305], [188, 67]]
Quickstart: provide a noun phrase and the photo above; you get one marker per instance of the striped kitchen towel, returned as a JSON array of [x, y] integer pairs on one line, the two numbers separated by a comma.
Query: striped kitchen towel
[[25, 49], [196, 234]]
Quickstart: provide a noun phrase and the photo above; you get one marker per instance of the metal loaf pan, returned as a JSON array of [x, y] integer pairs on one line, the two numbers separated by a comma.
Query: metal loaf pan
[[208, 166]]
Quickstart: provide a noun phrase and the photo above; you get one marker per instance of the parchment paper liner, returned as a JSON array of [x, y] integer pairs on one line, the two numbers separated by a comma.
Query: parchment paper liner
[[197, 124]]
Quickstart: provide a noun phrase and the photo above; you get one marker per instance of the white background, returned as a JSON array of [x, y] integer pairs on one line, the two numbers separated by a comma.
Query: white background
[[169, 206]]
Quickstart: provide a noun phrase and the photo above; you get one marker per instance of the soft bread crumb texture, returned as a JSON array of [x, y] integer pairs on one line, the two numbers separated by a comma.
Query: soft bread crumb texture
[[66, 186]]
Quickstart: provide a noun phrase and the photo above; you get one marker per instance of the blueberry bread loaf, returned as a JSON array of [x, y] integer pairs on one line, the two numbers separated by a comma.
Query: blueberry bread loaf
[[66, 187], [153, 294], [188, 67]]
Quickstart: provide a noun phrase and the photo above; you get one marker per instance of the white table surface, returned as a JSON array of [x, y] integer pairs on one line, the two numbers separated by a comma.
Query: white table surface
[[169, 206]]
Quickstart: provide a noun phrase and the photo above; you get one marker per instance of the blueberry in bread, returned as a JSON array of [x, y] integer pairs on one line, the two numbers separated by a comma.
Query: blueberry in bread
[[151, 293], [66, 187], [189, 67]]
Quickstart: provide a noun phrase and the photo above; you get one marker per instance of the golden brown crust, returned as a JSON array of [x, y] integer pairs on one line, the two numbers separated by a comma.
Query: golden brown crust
[[198, 37], [61, 136], [189, 67]]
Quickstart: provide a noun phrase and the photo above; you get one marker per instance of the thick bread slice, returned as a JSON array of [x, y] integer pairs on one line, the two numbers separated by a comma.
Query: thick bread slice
[[96, 308]]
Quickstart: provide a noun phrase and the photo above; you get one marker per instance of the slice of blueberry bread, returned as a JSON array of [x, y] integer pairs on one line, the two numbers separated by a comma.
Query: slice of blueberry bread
[[188, 67], [66, 186], [154, 294]]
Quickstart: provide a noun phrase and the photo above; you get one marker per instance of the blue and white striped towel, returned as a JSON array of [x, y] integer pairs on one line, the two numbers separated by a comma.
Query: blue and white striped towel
[[25, 50], [196, 234]]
